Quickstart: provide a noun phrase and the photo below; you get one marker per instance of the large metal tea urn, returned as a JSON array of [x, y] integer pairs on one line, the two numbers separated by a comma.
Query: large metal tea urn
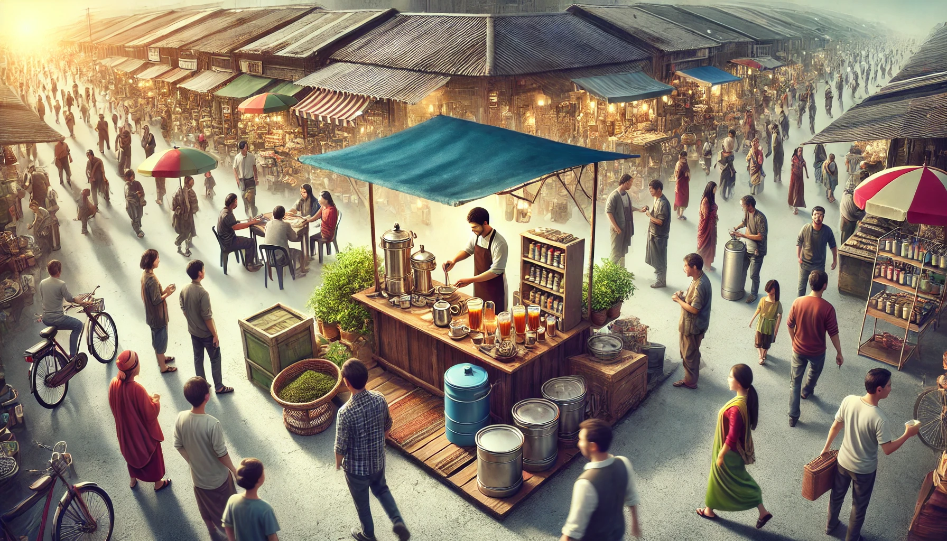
[[733, 278], [397, 244], [422, 263]]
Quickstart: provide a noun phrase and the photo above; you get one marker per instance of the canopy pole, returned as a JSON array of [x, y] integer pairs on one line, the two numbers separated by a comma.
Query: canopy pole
[[371, 223], [592, 235]]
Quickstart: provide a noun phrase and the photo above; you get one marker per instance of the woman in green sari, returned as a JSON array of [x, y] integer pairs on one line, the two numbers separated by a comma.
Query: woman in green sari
[[730, 487]]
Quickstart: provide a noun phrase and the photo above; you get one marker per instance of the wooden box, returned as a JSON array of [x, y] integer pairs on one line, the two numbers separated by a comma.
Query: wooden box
[[854, 275], [613, 389], [274, 339]]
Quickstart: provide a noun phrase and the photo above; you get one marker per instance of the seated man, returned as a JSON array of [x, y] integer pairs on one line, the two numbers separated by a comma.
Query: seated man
[[53, 292], [280, 233], [227, 227]]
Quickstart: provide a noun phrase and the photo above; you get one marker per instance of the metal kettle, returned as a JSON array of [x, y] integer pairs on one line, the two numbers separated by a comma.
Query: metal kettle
[[441, 313], [422, 263]]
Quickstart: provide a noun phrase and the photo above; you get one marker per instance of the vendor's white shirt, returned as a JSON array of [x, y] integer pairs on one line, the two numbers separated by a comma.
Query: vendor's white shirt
[[585, 499], [243, 165], [498, 251]]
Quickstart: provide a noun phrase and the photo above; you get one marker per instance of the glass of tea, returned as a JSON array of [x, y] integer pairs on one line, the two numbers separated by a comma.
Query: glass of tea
[[532, 316], [474, 313], [519, 318], [489, 317], [504, 325]]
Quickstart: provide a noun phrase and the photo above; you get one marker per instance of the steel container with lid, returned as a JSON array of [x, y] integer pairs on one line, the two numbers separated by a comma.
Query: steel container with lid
[[569, 393], [397, 244], [466, 403], [733, 277], [422, 263], [499, 460], [538, 419]]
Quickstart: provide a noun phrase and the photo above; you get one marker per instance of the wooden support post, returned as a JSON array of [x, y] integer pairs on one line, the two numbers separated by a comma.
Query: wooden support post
[[592, 235], [371, 224]]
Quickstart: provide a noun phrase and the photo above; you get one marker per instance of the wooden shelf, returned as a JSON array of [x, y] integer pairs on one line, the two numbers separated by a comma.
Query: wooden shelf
[[543, 240], [894, 357], [902, 287], [544, 288], [541, 309], [916, 263], [532, 261], [899, 322]]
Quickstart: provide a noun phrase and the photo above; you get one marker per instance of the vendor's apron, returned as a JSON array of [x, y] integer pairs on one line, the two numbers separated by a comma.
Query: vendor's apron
[[492, 289]]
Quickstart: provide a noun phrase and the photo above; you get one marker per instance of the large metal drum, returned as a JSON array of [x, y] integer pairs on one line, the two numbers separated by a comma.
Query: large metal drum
[[499, 461], [569, 394], [397, 244], [538, 420], [466, 403], [422, 263], [733, 278]]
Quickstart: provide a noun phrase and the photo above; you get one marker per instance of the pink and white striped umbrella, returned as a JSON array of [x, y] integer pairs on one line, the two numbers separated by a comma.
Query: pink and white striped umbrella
[[915, 192]]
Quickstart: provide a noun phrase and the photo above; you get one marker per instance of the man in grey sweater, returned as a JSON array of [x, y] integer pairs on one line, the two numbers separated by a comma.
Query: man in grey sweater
[[280, 233]]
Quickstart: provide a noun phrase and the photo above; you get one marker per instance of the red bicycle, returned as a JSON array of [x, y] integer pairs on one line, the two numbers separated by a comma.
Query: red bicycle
[[51, 368], [84, 512]]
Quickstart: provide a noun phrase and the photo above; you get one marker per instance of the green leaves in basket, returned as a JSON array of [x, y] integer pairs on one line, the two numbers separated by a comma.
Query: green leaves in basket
[[307, 387]]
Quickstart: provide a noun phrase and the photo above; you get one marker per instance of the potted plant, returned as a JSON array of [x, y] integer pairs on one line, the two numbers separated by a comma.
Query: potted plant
[[611, 286], [336, 353], [332, 300]]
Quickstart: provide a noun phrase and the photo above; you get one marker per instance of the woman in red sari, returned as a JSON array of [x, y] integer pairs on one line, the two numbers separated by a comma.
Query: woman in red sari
[[797, 188], [707, 226], [136, 422], [682, 192]]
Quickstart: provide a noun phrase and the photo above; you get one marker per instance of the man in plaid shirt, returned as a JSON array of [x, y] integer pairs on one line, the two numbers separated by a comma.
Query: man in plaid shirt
[[360, 433]]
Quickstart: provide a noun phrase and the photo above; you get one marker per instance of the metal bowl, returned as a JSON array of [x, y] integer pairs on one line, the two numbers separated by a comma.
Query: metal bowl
[[605, 347], [446, 290]]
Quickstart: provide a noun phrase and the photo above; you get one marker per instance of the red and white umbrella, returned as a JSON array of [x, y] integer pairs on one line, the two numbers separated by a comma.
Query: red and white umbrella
[[917, 193]]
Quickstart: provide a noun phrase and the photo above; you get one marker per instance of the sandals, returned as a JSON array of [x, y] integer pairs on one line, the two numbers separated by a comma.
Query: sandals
[[708, 517], [168, 360], [224, 390], [169, 369], [167, 483], [762, 522], [683, 383]]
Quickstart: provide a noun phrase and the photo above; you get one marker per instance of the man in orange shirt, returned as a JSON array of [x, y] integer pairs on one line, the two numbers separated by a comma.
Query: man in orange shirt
[[63, 159]]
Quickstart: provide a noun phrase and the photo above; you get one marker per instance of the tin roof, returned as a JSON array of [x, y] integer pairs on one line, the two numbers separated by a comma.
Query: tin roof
[[19, 123], [375, 81], [774, 21], [205, 81], [312, 33], [931, 57], [458, 44], [129, 23], [660, 33], [168, 29], [145, 28], [694, 23], [231, 29], [735, 22]]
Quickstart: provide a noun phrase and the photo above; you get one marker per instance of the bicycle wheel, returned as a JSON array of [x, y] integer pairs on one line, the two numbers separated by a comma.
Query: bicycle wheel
[[103, 338], [73, 523], [44, 368], [931, 410]]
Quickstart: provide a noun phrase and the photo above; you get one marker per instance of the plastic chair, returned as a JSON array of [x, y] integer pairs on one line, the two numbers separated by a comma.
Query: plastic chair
[[224, 252], [328, 243], [270, 252]]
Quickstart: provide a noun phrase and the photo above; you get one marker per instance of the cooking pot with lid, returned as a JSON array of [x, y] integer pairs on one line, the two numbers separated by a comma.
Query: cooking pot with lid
[[396, 243], [422, 263]]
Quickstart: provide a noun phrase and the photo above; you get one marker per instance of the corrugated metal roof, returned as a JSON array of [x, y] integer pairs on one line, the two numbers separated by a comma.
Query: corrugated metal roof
[[657, 32], [375, 81], [312, 33], [160, 33], [822, 25], [693, 22], [772, 21], [908, 117], [931, 57], [130, 22], [206, 81], [144, 28], [19, 124], [735, 22], [230, 29], [80, 33], [176, 75], [457, 44], [129, 65], [153, 71]]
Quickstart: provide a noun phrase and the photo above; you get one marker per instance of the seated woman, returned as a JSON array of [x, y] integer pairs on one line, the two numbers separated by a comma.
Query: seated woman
[[329, 215]]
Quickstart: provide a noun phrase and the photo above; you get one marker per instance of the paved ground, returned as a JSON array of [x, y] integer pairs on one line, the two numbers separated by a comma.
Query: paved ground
[[668, 438]]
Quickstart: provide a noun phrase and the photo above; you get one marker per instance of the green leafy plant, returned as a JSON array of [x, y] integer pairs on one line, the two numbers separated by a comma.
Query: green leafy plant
[[332, 300], [611, 284], [337, 354]]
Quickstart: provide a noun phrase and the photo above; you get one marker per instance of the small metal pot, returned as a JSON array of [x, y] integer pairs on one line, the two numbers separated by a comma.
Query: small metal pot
[[441, 312], [405, 301]]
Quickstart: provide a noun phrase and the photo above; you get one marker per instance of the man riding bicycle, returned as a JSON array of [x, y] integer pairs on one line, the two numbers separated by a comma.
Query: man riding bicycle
[[54, 292]]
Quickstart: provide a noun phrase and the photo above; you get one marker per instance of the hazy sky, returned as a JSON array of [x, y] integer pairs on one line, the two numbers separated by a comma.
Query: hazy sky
[[28, 17]]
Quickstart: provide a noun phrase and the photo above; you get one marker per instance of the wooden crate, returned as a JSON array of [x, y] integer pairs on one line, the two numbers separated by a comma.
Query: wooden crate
[[276, 338], [570, 276], [258, 375], [613, 389]]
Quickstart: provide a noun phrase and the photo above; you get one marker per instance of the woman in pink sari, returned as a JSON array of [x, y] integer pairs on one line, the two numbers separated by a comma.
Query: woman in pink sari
[[797, 189], [682, 192], [707, 226]]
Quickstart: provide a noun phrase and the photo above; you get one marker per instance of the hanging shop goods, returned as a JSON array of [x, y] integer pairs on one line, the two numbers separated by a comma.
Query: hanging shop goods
[[907, 292], [466, 403]]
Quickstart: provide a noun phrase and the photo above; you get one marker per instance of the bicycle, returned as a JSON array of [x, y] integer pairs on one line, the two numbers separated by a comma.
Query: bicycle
[[931, 410], [84, 512], [51, 368]]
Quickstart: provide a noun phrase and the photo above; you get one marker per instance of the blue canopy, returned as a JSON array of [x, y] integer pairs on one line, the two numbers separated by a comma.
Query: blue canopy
[[454, 161], [709, 75], [624, 87]]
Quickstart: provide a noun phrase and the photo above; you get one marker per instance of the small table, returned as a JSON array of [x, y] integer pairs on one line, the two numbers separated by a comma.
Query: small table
[[299, 225]]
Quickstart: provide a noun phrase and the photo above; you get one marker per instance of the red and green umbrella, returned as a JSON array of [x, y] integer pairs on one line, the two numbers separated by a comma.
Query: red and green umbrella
[[267, 103], [178, 162]]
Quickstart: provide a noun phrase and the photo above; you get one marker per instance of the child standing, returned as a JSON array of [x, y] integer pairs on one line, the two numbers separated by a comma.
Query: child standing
[[770, 311], [209, 184]]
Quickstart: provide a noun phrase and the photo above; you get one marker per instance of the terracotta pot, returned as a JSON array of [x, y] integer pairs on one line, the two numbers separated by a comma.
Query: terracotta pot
[[599, 317], [615, 311], [329, 330], [349, 337]]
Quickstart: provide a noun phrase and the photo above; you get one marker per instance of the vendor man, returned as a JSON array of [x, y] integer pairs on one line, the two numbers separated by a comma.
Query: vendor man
[[490, 252]]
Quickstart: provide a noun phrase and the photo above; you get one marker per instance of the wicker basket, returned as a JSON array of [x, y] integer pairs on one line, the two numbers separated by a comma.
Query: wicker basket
[[818, 475], [312, 417]]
